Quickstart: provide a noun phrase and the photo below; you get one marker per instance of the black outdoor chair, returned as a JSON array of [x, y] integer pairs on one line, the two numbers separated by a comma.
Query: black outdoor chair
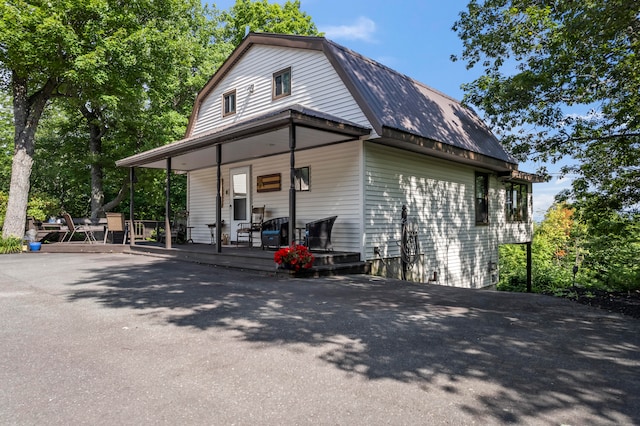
[[318, 234], [275, 232]]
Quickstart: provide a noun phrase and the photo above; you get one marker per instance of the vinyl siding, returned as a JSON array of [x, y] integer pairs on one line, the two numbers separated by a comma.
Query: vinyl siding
[[439, 197], [335, 190], [314, 84]]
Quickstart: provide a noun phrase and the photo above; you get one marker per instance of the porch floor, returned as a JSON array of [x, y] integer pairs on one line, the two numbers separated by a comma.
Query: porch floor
[[232, 256]]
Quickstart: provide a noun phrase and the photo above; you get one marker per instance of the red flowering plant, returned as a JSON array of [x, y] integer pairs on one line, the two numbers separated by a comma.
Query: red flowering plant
[[295, 257]]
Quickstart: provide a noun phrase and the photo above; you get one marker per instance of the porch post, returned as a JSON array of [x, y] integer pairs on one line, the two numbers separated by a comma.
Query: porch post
[[219, 200], [529, 267], [292, 184], [167, 207], [132, 182]]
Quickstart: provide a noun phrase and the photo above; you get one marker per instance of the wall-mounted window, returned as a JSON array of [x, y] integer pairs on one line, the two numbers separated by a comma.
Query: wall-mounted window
[[229, 103], [482, 198], [517, 199], [303, 179], [282, 83]]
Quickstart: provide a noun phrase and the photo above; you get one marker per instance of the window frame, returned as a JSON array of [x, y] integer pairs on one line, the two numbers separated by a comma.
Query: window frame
[[481, 204], [299, 173], [275, 85], [228, 95], [518, 210]]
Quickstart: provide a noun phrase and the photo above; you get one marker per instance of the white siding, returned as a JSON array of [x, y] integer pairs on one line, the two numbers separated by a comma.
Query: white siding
[[201, 203], [439, 196], [335, 182], [315, 84]]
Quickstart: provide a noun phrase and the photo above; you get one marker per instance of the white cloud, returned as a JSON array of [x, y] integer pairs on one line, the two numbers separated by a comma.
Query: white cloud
[[362, 29]]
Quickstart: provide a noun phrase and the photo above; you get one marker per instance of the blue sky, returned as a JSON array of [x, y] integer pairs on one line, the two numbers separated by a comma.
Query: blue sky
[[415, 38]]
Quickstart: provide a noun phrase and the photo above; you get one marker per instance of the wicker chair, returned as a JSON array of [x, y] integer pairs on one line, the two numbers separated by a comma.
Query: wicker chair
[[275, 232], [318, 234]]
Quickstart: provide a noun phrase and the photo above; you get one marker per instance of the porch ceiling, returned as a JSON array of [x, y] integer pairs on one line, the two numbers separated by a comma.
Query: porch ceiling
[[256, 138]]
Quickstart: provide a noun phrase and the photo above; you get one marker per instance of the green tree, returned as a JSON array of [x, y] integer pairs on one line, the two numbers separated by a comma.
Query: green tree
[[554, 249], [6, 140], [98, 55], [612, 248], [262, 16], [562, 79]]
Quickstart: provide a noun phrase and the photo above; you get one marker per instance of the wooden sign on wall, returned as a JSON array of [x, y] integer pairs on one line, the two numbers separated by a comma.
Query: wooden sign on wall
[[269, 183]]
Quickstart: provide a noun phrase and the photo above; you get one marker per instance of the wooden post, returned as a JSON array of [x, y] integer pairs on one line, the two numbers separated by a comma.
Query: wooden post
[[219, 199], [292, 184], [167, 207], [132, 182]]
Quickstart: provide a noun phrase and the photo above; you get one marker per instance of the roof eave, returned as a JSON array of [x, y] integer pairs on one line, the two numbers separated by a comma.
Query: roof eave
[[445, 151], [252, 127]]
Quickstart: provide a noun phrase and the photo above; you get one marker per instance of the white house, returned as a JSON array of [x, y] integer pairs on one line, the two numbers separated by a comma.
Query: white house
[[311, 129]]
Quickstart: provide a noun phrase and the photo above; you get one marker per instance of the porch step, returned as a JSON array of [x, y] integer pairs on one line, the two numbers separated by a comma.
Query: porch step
[[325, 264], [354, 268], [247, 261]]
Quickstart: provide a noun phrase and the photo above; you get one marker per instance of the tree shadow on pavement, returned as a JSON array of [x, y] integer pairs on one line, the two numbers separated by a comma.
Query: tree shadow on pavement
[[531, 356]]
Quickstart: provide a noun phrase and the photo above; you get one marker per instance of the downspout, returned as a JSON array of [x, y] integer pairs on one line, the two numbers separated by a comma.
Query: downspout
[[219, 200], [132, 182], [167, 207], [292, 184]]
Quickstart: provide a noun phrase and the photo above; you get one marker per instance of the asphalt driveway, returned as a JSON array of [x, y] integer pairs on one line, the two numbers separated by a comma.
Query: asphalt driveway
[[122, 339]]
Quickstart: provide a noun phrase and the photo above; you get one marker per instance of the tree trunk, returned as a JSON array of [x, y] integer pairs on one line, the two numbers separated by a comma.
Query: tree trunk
[[96, 132], [107, 207], [27, 111]]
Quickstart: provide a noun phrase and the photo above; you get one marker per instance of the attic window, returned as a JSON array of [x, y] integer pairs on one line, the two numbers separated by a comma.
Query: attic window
[[229, 103], [282, 83]]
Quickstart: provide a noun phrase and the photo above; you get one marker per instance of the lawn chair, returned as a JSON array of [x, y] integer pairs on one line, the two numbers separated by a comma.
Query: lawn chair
[[116, 223], [78, 229], [318, 234], [248, 228]]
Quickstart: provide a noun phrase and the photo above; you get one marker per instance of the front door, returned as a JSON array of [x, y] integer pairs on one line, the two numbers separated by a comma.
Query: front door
[[240, 198]]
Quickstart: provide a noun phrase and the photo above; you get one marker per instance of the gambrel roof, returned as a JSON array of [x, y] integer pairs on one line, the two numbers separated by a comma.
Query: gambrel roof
[[400, 111], [397, 106]]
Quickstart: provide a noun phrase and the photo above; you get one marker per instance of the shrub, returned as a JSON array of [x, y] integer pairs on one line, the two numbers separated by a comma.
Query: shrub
[[42, 206], [10, 245]]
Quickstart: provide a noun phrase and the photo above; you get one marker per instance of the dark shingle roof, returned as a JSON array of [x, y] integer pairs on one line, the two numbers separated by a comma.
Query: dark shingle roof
[[395, 101]]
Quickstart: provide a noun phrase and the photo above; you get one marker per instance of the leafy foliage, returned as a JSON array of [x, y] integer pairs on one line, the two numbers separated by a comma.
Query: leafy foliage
[[562, 79], [10, 245], [42, 206], [605, 251], [262, 16], [126, 84]]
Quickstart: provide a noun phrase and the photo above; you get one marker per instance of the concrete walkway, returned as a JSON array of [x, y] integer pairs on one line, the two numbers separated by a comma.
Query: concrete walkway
[[106, 339]]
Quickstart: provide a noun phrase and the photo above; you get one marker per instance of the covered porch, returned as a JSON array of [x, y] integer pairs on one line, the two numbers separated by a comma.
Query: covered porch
[[284, 132]]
